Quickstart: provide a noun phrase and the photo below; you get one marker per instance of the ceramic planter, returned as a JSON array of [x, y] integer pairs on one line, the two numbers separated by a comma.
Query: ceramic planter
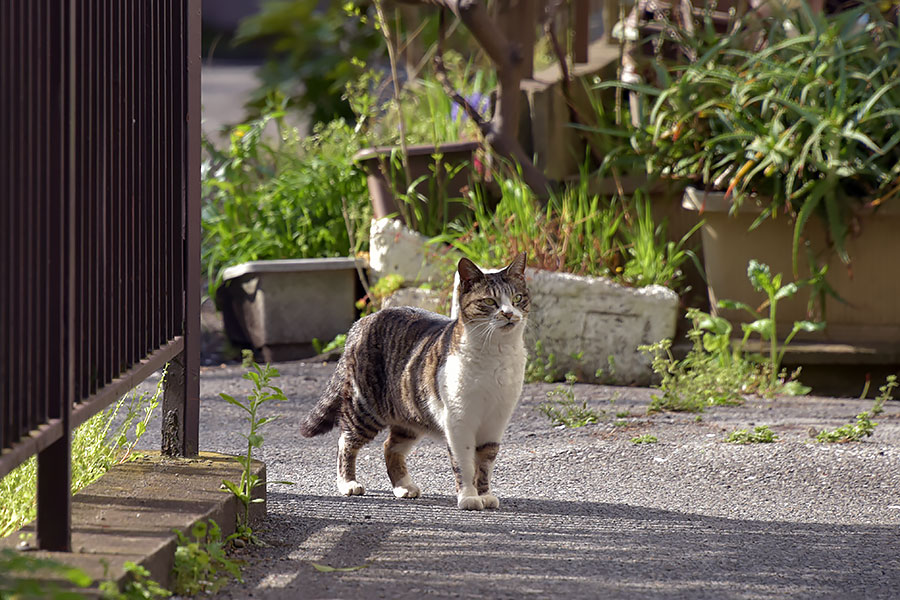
[[423, 160], [871, 313], [277, 307]]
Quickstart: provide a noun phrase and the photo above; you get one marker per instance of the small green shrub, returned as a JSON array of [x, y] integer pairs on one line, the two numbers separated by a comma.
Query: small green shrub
[[864, 426], [764, 325], [644, 439], [336, 344], [541, 365], [564, 410], [698, 380], [718, 371], [381, 289], [139, 585], [201, 564], [263, 391], [761, 434]]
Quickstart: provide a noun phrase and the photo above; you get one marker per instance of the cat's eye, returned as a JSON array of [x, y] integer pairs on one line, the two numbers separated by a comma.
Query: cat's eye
[[517, 298], [490, 302]]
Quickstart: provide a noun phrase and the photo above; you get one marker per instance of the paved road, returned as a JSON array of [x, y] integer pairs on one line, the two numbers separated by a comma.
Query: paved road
[[584, 513]]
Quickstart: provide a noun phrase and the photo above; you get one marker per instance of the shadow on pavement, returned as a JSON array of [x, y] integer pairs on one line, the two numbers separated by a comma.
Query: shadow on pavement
[[534, 548]]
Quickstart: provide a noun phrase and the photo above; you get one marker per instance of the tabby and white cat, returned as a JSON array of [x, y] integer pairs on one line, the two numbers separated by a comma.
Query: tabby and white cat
[[419, 373]]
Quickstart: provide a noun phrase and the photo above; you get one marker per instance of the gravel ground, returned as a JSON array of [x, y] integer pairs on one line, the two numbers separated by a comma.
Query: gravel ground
[[584, 513]]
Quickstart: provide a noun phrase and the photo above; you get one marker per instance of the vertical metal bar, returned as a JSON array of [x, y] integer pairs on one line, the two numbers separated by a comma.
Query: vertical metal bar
[[19, 257], [7, 187], [182, 398], [78, 243], [54, 468], [132, 167], [101, 333], [115, 230], [57, 176], [30, 117], [168, 150], [45, 213], [143, 196]]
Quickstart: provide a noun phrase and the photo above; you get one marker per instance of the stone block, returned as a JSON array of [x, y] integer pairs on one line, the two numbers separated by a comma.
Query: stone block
[[573, 314]]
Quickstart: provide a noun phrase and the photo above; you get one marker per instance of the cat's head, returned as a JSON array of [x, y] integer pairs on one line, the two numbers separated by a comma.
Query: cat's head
[[491, 303]]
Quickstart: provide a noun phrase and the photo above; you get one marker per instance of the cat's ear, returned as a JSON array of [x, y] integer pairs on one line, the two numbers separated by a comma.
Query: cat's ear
[[469, 273], [517, 267]]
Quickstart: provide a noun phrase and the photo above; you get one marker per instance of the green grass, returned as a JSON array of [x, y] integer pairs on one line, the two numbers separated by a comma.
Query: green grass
[[96, 448], [575, 232]]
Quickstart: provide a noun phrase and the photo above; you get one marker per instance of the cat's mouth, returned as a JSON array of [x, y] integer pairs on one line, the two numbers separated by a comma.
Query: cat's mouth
[[508, 325]]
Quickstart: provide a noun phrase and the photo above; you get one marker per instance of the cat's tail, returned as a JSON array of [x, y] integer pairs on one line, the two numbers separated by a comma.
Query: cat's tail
[[324, 414]]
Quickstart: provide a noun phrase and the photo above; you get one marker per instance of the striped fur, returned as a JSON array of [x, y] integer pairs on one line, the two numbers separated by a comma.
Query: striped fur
[[418, 373]]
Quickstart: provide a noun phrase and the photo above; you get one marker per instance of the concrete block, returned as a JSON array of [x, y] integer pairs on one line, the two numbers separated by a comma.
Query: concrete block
[[572, 314]]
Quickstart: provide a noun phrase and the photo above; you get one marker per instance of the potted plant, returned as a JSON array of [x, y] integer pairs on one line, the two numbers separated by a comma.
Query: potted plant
[[602, 275], [280, 218], [794, 121]]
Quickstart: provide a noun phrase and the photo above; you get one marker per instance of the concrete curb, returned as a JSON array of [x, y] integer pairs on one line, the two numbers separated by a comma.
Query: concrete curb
[[130, 513]]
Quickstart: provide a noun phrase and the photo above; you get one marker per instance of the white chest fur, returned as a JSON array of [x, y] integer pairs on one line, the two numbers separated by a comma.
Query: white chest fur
[[480, 386]]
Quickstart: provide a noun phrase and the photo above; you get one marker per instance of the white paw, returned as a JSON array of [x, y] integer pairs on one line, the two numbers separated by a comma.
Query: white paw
[[490, 501], [409, 490], [350, 488], [470, 503]]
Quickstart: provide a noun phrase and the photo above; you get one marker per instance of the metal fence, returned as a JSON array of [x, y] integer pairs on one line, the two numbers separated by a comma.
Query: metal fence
[[99, 225]]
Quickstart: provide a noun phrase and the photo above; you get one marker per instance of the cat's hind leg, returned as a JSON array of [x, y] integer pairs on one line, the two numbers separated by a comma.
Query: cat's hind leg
[[348, 447], [397, 445], [485, 455]]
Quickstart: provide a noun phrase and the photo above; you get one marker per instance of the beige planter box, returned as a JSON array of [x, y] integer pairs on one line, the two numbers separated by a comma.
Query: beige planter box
[[277, 307], [871, 314]]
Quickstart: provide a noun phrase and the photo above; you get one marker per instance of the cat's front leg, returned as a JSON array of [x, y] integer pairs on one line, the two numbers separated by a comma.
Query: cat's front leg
[[462, 459], [485, 455]]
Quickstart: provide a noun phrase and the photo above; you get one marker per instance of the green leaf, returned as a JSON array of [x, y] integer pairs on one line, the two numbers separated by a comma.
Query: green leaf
[[795, 388], [231, 400], [732, 305], [233, 488], [761, 326], [786, 291], [326, 569], [255, 440], [199, 530], [809, 326]]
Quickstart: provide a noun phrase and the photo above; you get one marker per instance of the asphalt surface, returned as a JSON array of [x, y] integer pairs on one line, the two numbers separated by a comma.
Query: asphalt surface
[[584, 513]]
